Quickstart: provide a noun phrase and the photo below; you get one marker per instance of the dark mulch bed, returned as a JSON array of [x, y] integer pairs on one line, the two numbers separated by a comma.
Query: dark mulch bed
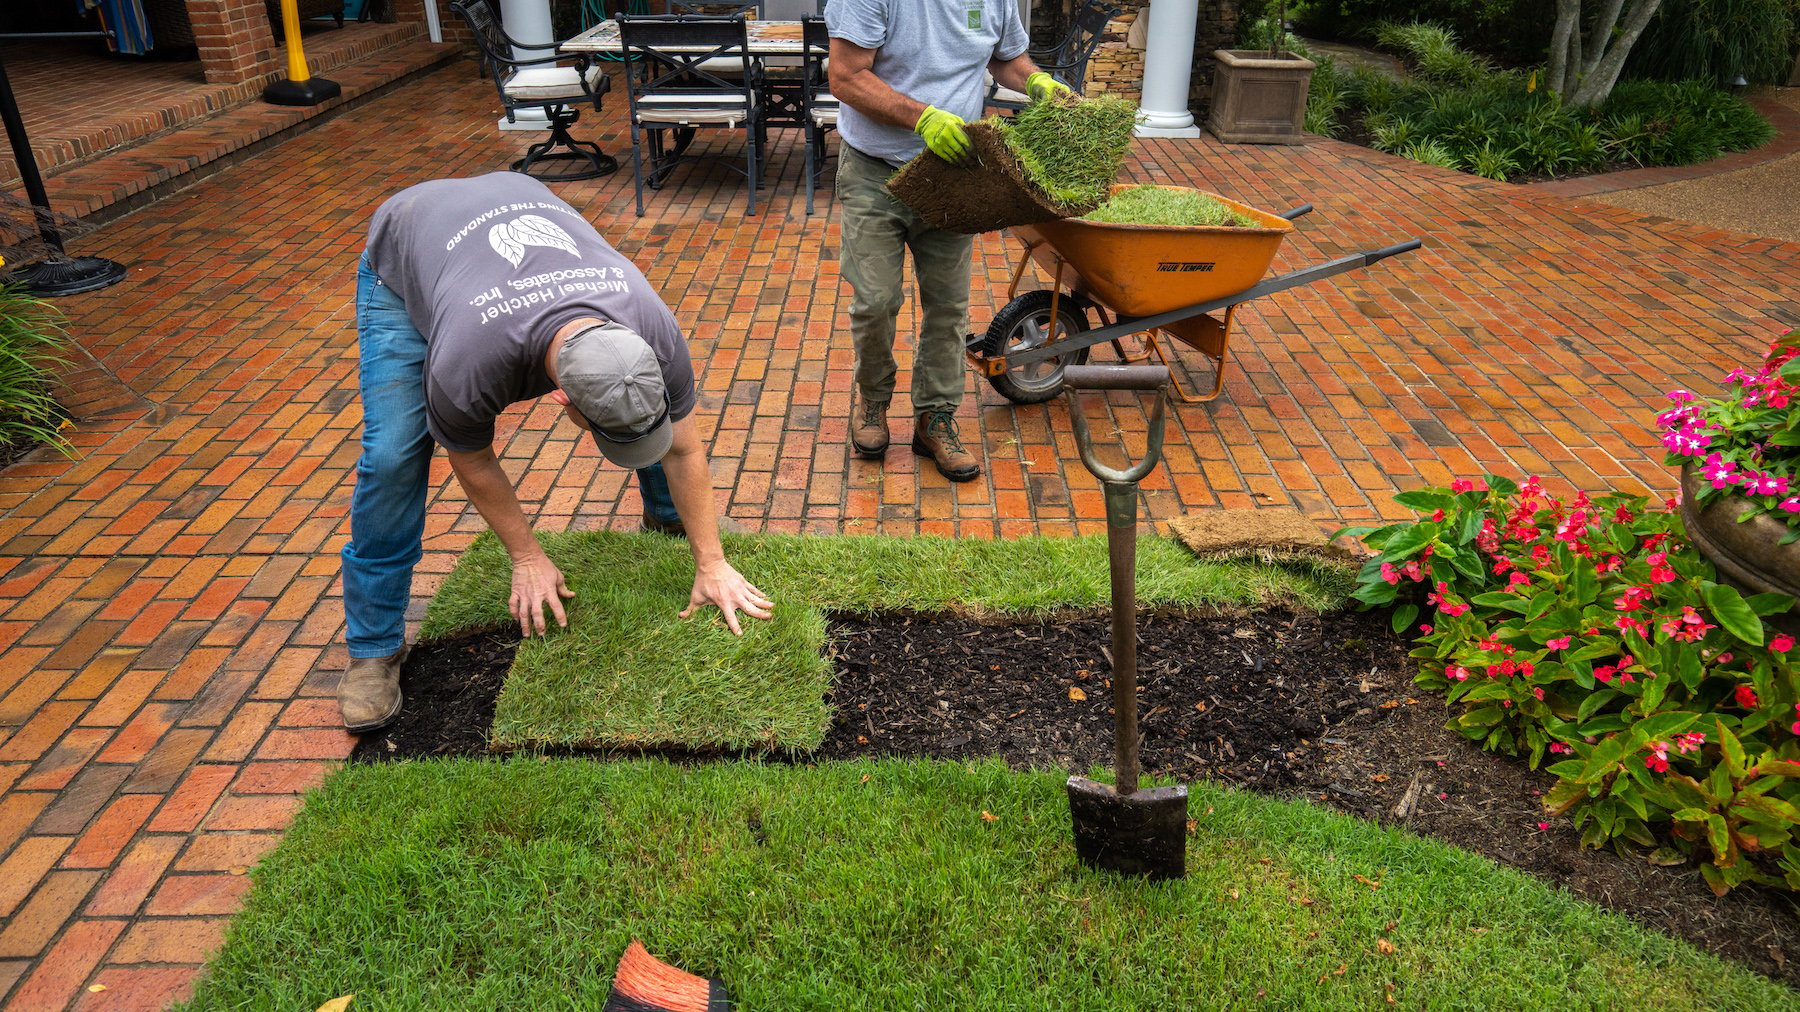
[[1294, 706]]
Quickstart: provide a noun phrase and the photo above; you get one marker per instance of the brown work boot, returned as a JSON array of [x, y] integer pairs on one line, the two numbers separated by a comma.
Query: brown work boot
[[369, 693], [934, 436], [868, 428]]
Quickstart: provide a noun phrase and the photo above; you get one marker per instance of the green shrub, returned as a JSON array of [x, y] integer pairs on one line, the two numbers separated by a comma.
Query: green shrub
[[32, 338], [1713, 40], [1515, 32], [1591, 631]]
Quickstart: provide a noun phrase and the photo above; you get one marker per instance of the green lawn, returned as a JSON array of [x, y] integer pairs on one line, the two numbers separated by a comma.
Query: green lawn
[[515, 884], [628, 672]]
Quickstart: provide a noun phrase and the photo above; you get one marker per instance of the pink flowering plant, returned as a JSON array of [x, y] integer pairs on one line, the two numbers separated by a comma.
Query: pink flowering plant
[[1589, 633], [1745, 444]]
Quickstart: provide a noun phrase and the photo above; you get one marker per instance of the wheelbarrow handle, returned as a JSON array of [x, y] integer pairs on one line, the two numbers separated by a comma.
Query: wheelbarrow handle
[[1395, 250], [1296, 212], [1116, 377]]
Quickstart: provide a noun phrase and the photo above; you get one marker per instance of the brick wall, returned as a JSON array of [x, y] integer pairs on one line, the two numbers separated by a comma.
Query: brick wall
[[1118, 69]]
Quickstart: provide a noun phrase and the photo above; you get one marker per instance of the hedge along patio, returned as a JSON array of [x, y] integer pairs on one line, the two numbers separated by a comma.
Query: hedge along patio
[[170, 616]]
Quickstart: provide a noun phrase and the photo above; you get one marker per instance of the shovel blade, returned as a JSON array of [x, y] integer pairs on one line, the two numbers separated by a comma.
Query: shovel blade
[[1141, 833]]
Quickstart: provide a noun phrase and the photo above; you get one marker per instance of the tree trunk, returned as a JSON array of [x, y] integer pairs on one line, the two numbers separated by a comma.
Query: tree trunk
[[1560, 76], [1598, 82]]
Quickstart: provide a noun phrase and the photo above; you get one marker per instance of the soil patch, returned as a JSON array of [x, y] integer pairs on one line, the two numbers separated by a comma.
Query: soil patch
[[1320, 707]]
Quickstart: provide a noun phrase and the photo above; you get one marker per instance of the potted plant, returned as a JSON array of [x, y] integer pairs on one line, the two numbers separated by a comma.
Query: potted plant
[[1259, 95], [1740, 470]]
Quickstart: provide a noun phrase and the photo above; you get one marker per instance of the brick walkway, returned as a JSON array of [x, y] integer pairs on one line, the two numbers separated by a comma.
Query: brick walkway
[[169, 611]]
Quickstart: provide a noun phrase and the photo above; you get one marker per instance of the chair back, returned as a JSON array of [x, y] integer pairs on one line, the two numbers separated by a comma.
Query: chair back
[[681, 59], [727, 10], [1070, 59], [484, 24], [815, 50]]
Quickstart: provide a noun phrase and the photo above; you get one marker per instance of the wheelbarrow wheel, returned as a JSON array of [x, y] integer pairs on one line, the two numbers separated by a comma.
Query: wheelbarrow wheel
[[1024, 324]]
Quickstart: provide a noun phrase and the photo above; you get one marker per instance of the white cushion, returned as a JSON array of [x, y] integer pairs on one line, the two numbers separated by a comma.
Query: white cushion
[[551, 83], [725, 108], [825, 109], [723, 66]]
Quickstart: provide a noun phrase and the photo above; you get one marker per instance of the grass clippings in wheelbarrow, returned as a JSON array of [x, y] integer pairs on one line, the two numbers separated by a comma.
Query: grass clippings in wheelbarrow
[[1168, 205], [1053, 160]]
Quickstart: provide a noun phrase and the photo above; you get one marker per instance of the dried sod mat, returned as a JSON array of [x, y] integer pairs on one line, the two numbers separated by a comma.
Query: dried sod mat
[[629, 673], [515, 884], [1052, 160]]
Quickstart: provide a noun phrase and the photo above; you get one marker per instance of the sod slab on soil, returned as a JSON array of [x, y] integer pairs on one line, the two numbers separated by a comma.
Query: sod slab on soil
[[515, 884], [629, 673]]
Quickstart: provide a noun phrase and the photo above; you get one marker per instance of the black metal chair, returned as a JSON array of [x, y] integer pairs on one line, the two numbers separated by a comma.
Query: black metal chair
[[1067, 60], [821, 107], [685, 73], [541, 83]]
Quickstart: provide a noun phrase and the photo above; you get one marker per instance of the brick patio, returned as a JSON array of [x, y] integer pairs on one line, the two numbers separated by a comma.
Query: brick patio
[[169, 609]]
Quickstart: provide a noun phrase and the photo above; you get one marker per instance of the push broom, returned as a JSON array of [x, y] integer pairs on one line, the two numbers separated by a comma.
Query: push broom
[[644, 983]]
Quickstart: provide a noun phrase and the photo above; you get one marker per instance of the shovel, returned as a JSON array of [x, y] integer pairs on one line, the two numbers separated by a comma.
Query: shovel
[[1120, 827]]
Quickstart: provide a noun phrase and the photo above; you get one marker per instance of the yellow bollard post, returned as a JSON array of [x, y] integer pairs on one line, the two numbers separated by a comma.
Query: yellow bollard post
[[299, 87]]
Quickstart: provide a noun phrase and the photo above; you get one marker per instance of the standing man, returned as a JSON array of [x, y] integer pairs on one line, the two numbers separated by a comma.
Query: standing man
[[475, 294], [908, 75]]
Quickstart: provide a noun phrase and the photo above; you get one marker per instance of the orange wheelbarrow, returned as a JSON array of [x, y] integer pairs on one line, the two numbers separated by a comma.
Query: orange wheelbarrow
[[1154, 281]]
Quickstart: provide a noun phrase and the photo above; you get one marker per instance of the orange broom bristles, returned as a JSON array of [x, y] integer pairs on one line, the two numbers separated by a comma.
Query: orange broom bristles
[[644, 983]]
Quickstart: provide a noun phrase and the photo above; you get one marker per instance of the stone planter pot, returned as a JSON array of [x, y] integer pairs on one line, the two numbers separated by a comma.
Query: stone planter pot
[[1258, 100], [1748, 555]]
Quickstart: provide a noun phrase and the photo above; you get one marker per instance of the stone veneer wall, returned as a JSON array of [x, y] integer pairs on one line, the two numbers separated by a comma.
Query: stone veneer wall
[[1117, 68]]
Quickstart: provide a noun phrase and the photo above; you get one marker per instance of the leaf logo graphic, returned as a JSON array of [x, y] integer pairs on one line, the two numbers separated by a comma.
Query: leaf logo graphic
[[509, 238]]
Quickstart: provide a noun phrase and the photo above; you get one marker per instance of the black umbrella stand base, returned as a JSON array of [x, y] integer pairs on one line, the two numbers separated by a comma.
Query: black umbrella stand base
[[69, 275], [1141, 833], [311, 91]]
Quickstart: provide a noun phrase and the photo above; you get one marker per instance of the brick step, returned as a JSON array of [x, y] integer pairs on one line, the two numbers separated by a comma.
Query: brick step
[[124, 179]]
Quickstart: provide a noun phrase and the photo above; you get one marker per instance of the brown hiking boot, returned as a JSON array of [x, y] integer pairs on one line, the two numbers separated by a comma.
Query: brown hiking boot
[[934, 436], [868, 429], [369, 693]]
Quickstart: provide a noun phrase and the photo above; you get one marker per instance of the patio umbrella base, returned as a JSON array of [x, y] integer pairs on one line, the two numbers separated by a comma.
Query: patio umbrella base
[[70, 275], [1141, 833], [311, 91]]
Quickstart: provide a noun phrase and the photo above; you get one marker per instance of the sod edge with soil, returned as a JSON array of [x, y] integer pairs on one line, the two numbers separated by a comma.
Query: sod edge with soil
[[1297, 706]]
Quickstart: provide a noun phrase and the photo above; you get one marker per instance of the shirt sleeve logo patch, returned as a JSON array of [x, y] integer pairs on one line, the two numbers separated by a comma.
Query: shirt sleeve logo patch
[[511, 238]]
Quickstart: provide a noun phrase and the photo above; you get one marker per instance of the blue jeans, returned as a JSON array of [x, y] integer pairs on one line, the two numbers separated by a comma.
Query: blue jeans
[[387, 510]]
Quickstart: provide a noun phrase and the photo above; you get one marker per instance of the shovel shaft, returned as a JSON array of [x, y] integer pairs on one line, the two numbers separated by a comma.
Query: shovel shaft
[[1121, 552]]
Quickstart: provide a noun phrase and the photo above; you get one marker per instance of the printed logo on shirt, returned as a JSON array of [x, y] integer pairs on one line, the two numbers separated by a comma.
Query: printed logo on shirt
[[975, 11], [511, 238]]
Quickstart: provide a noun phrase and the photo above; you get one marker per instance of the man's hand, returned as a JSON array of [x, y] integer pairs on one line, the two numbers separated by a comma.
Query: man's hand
[[1041, 85], [725, 588], [536, 582], [944, 134]]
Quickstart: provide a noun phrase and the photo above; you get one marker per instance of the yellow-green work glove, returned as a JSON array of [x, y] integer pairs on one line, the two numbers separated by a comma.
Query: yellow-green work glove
[[1041, 85], [943, 133]]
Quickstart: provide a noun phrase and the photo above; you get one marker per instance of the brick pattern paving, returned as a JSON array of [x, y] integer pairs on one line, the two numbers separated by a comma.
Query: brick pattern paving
[[169, 606]]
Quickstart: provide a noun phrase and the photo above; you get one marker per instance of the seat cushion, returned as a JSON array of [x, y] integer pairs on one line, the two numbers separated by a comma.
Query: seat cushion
[[549, 84], [723, 108]]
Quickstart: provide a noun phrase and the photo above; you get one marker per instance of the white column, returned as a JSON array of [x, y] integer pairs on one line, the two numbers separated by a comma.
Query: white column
[[1168, 66], [528, 21]]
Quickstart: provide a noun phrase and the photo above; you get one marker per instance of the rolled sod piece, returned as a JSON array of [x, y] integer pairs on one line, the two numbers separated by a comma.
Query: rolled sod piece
[[1053, 160]]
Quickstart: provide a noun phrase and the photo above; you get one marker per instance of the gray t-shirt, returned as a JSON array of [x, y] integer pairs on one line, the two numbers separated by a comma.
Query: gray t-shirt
[[932, 51], [490, 269]]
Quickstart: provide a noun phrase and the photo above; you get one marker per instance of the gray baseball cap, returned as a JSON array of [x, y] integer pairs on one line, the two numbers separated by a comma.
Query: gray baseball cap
[[613, 378]]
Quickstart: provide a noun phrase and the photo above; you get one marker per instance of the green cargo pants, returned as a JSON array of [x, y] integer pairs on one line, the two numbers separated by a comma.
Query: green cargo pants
[[877, 231]]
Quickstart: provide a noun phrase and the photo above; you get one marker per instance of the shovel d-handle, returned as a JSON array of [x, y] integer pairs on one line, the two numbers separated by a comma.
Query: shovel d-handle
[[1121, 541]]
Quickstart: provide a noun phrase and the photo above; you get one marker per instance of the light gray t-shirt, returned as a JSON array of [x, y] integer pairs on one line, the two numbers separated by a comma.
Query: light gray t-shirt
[[933, 51], [490, 269]]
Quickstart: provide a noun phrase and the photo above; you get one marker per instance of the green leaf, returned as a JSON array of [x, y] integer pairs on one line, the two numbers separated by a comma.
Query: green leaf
[[1425, 500], [1658, 727], [1504, 486], [1737, 617], [1584, 586], [1408, 542], [1690, 815], [1485, 716], [1501, 599], [1718, 835], [1404, 616], [1471, 527], [1770, 604], [1731, 748], [1594, 701]]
